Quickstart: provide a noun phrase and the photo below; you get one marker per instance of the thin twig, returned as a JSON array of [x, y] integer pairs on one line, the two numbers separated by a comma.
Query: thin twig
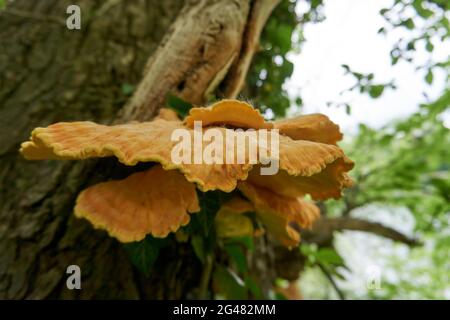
[[333, 283], [206, 277], [324, 228]]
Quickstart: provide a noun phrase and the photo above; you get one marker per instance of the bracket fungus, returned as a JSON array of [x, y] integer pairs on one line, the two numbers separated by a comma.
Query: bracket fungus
[[158, 201], [131, 208]]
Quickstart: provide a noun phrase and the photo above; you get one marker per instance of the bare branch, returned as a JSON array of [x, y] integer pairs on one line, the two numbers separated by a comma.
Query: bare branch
[[322, 232], [193, 57], [260, 12], [331, 279]]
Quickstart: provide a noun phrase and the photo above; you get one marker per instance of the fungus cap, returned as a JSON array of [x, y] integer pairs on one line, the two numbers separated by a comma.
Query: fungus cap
[[131, 143], [154, 202], [281, 215], [228, 112], [313, 127]]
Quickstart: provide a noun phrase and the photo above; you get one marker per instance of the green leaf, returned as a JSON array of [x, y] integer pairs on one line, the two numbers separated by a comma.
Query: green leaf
[[358, 75], [253, 287], [429, 77], [394, 59], [144, 253], [348, 109], [316, 3], [324, 256], [201, 225], [309, 251], [238, 256], [421, 11], [229, 284], [127, 89], [299, 101], [283, 34], [376, 90], [329, 256], [287, 68], [279, 296], [408, 23], [199, 248], [179, 105], [346, 67], [247, 242]]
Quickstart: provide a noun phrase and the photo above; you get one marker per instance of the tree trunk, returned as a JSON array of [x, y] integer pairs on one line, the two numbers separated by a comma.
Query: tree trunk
[[49, 74]]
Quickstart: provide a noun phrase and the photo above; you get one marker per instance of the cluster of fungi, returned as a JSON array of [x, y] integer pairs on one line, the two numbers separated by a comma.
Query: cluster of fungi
[[159, 200]]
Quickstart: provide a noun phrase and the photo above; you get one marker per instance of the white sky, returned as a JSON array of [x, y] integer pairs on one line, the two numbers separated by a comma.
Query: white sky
[[349, 36]]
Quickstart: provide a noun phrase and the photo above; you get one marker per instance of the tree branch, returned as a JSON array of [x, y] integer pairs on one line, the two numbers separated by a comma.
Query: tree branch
[[206, 277], [193, 58], [260, 12], [323, 229], [331, 279]]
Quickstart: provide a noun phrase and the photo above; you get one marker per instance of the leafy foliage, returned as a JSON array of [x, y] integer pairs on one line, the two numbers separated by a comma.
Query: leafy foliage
[[406, 163], [143, 254], [271, 67], [237, 250], [365, 83], [179, 105], [428, 25], [228, 283], [328, 259], [428, 20]]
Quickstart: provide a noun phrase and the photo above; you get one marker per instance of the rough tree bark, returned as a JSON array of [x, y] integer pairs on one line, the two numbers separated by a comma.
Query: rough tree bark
[[49, 73]]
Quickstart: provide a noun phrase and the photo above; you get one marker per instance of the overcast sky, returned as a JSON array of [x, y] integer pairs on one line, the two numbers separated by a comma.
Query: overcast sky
[[349, 36]]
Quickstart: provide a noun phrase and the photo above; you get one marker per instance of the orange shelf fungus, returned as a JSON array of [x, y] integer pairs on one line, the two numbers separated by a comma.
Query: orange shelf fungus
[[228, 112], [158, 201], [312, 127], [281, 215], [150, 202]]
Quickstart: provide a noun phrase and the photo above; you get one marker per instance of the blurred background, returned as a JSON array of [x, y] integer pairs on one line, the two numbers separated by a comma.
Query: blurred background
[[380, 70]]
